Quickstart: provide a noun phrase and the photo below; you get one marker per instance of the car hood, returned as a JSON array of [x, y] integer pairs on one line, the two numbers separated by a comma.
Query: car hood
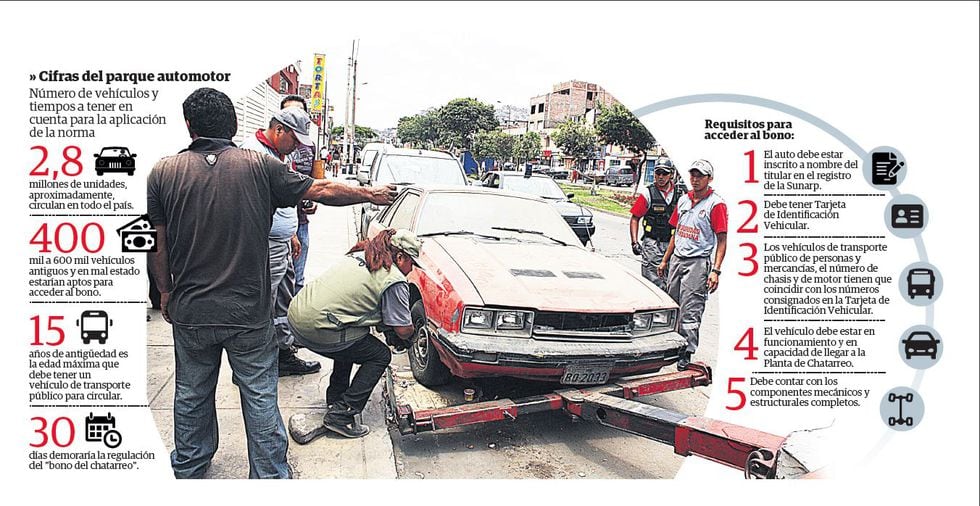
[[549, 277], [569, 208]]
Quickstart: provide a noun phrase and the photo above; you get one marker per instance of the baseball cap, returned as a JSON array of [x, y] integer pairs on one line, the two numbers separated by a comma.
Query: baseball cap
[[704, 167], [408, 242], [663, 164], [297, 120]]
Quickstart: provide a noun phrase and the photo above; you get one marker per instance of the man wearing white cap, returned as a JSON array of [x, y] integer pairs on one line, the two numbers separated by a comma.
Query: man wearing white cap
[[700, 223], [288, 128]]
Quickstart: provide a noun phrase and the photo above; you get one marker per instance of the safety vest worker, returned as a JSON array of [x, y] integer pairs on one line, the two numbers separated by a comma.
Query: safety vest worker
[[333, 316], [654, 208]]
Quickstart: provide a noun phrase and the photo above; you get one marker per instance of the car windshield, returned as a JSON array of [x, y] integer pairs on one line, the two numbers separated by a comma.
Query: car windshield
[[110, 152], [487, 213], [421, 170], [537, 186]]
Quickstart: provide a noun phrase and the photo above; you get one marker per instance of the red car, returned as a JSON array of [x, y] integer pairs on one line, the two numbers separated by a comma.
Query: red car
[[506, 289]]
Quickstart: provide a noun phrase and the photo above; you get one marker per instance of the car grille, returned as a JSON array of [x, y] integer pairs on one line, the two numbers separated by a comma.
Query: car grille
[[557, 326], [115, 165]]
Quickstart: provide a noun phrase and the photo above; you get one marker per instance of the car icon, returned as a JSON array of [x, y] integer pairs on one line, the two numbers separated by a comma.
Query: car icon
[[115, 159], [921, 344]]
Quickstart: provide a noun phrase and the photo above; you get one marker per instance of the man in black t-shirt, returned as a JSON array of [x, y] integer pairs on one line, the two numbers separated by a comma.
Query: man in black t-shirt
[[211, 205]]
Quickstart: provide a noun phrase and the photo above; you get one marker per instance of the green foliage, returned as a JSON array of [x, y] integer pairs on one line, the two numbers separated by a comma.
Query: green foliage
[[604, 200], [577, 140], [360, 132], [617, 125], [526, 147], [420, 129], [492, 144], [460, 119]]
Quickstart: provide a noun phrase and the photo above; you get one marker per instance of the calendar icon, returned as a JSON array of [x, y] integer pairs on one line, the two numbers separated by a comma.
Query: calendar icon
[[102, 429]]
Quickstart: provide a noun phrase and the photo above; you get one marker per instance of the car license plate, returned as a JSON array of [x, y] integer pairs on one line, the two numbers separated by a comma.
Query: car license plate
[[586, 374]]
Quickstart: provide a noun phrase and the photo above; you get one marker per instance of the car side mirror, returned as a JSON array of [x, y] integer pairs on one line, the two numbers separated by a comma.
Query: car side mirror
[[363, 176], [133, 155], [570, 196]]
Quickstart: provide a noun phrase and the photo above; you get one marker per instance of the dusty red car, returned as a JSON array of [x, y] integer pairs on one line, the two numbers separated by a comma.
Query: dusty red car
[[507, 289]]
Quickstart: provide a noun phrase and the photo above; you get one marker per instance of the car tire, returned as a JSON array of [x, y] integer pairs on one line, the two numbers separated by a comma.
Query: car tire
[[427, 368]]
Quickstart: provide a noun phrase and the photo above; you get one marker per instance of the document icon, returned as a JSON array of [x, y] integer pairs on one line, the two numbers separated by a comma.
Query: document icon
[[885, 168]]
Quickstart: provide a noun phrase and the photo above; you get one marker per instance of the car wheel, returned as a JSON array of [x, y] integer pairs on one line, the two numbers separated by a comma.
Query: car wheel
[[422, 356]]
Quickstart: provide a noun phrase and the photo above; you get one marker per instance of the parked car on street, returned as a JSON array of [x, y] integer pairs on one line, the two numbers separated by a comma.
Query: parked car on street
[[506, 290], [559, 172], [577, 217], [620, 176], [401, 166], [593, 174]]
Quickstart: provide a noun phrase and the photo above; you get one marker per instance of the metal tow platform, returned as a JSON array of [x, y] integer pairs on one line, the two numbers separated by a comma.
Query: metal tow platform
[[754, 452]]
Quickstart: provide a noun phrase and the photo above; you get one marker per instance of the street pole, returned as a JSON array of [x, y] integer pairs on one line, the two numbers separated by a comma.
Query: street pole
[[346, 154], [353, 103]]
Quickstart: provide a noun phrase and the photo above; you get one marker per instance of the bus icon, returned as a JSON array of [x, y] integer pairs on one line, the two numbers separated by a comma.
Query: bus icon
[[95, 326], [921, 282]]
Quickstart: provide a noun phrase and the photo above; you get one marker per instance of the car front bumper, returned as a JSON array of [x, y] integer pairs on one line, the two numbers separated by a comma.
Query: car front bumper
[[471, 356]]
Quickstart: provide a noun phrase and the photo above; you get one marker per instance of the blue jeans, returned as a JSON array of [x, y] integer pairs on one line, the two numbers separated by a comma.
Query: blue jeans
[[255, 370], [303, 233]]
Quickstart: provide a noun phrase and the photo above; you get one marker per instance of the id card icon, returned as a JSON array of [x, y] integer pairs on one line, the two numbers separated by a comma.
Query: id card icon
[[907, 215]]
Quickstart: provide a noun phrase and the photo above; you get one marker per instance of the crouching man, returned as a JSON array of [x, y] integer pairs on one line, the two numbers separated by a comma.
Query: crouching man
[[332, 316]]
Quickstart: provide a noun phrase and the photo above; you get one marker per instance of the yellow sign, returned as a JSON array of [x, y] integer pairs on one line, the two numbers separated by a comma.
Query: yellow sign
[[318, 93]]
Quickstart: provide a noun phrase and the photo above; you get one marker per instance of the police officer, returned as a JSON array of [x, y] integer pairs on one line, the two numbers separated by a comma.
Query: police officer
[[700, 223], [655, 207], [332, 316]]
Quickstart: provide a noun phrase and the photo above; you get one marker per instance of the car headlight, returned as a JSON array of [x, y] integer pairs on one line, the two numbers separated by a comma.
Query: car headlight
[[477, 319], [654, 321], [584, 220], [503, 322], [641, 321], [510, 320]]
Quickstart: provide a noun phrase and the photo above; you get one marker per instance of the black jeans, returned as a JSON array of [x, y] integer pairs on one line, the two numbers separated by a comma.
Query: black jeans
[[373, 356]]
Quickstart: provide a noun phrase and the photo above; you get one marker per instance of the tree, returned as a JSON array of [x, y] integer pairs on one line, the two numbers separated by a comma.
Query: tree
[[618, 126], [576, 140], [360, 132], [526, 147], [493, 144], [420, 129], [460, 119]]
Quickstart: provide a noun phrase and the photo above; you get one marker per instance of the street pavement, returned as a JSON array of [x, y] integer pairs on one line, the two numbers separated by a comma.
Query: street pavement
[[544, 445]]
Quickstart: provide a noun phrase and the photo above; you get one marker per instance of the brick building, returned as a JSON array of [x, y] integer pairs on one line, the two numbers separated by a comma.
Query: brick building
[[575, 100]]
